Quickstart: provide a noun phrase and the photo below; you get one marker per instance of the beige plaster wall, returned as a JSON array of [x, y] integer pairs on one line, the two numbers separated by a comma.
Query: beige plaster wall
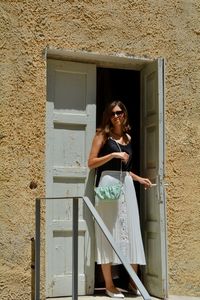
[[169, 29]]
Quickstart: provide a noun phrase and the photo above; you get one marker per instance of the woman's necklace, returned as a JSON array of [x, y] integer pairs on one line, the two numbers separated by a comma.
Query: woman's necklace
[[117, 135]]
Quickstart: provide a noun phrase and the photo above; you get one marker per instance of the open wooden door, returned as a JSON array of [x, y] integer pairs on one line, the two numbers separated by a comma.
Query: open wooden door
[[153, 215], [71, 122]]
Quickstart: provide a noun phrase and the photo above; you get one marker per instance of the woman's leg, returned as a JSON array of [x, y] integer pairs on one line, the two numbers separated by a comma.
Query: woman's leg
[[107, 274], [132, 286], [135, 268]]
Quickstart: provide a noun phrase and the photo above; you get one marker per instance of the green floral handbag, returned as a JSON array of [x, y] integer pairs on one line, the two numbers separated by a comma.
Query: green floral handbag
[[107, 193]]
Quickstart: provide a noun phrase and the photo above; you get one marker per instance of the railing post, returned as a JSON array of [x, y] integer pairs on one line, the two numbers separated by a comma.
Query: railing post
[[33, 268], [75, 251], [37, 249]]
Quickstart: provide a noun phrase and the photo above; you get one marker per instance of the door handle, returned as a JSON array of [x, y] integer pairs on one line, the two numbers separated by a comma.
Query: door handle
[[158, 184]]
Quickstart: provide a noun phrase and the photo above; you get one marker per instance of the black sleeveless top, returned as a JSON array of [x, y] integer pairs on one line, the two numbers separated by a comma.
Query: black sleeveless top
[[115, 163]]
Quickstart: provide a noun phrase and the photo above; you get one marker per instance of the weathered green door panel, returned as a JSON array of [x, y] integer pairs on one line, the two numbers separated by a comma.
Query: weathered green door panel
[[71, 121], [153, 215]]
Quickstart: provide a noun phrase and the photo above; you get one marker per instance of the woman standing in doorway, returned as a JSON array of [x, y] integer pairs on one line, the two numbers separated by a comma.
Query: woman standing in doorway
[[111, 153]]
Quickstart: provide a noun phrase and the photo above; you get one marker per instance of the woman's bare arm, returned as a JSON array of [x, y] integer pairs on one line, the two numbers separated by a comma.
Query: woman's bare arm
[[145, 181]]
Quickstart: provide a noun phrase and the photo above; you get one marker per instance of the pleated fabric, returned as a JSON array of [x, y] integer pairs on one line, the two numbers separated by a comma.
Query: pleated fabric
[[122, 220]]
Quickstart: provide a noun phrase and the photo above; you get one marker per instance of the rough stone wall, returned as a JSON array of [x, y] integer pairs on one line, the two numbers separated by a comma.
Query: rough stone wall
[[151, 28]]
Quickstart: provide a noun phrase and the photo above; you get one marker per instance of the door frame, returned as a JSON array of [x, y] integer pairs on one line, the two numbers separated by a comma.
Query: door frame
[[116, 61]]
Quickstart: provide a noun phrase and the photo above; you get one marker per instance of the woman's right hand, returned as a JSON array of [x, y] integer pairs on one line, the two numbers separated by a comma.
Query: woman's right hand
[[122, 155]]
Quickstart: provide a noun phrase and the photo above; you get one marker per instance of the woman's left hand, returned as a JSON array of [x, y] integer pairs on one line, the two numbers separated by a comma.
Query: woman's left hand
[[145, 181]]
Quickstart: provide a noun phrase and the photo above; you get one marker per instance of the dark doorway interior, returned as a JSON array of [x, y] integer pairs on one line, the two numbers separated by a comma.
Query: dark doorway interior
[[124, 85]]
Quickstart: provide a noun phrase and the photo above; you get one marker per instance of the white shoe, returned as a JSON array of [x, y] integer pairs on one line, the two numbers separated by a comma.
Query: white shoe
[[133, 290], [114, 295]]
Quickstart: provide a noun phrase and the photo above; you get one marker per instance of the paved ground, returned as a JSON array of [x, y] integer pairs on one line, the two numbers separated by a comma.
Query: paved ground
[[102, 297]]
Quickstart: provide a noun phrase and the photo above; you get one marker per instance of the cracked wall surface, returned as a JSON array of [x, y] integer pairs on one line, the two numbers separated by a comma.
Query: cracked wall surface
[[143, 28]]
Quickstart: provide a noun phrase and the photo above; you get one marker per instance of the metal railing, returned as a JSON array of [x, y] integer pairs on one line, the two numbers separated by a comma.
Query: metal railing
[[107, 234]]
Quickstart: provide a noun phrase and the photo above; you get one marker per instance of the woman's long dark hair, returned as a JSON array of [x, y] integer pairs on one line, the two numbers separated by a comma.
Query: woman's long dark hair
[[106, 124]]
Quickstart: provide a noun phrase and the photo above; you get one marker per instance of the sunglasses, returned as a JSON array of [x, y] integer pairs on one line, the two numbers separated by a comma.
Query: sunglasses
[[117, 113]]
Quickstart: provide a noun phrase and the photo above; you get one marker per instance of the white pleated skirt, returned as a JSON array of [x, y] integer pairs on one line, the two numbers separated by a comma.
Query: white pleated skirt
[[122, 220]]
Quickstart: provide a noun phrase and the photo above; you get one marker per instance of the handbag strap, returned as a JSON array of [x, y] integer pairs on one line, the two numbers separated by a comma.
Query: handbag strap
[[120, 150]]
